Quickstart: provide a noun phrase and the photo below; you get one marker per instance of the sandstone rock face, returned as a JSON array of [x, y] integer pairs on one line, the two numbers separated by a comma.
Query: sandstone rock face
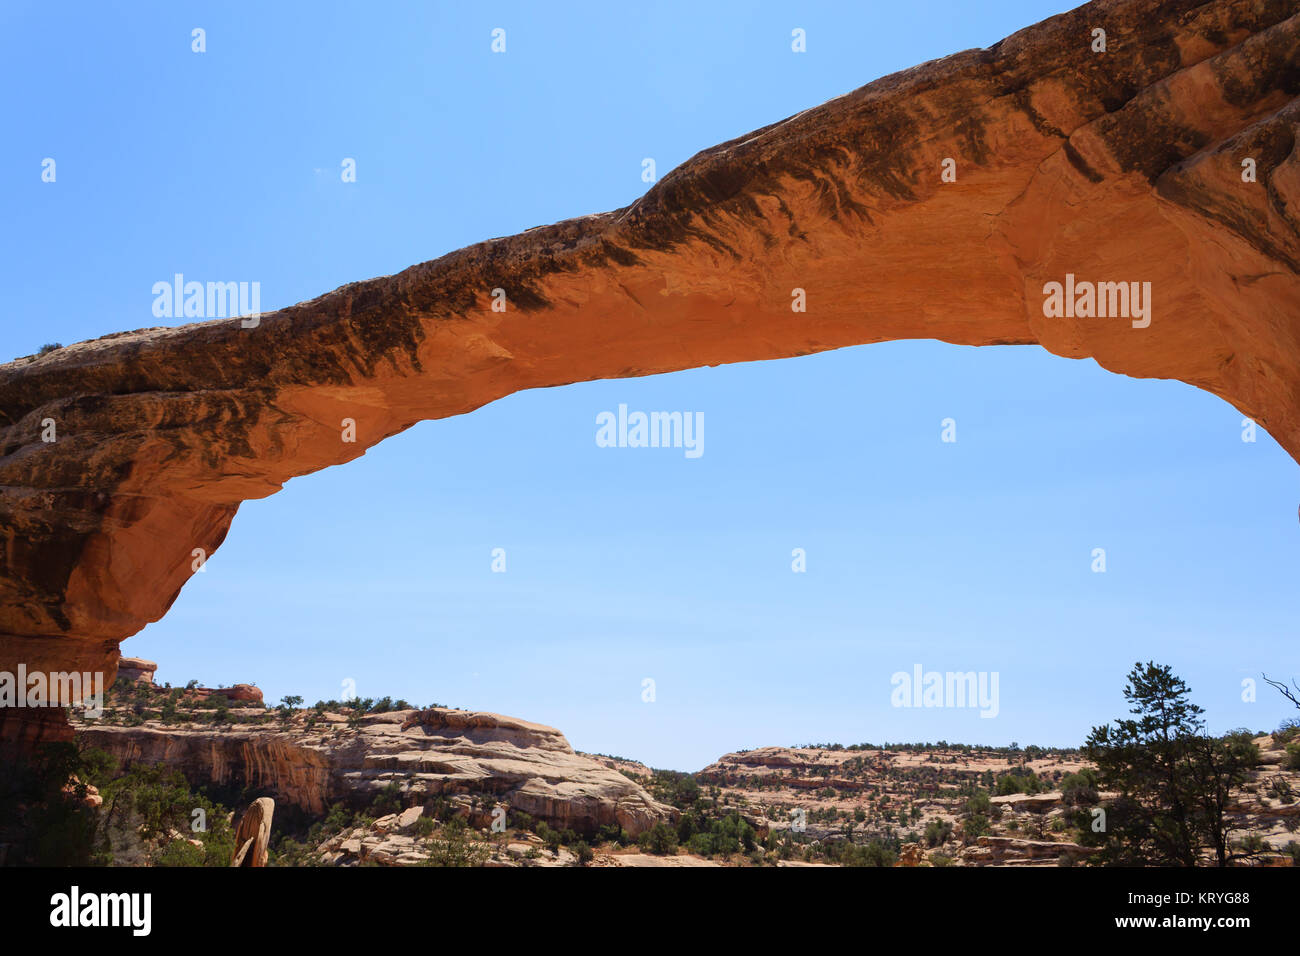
[[525, 766], [800, 767], [917, 789], [1010, 851], [392, 841], [911, 854], [242, 693], [22, 730], [1125, 166], [253, 836], [1034, 803], [136, 669]]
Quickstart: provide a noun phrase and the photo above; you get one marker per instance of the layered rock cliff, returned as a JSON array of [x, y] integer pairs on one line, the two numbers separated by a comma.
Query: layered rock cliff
[[1126, 166], [436, 752], [835, 794]]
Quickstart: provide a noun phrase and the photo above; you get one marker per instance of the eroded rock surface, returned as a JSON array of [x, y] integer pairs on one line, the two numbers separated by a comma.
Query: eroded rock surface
[[437, 752], [924, 789], [1123, 166], [253, 836], [136, 669]]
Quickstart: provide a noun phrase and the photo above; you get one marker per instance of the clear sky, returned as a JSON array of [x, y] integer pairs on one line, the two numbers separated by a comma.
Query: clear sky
[[626, 564]]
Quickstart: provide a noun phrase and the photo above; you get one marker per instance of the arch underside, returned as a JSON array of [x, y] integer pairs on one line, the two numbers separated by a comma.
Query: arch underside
[[1125, 167]]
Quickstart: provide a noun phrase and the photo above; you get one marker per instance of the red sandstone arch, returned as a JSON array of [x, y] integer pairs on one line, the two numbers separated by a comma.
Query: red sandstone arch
[[1123, 166]]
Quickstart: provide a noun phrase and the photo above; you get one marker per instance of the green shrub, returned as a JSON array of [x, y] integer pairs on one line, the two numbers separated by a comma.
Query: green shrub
[[550, 836], [1292, 761], [456, 849], [937, 833], [974, 826], [613, 833], [875, 853], [659, 839], [1022, 781], [979, 803], [1080, 789], [1287, 731], [392, 799]]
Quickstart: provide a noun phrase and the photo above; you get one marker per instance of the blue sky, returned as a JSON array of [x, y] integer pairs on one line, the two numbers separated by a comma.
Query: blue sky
[[626, 564]]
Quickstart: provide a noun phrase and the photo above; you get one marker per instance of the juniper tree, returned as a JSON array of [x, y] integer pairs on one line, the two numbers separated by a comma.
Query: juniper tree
[[1172, 778]]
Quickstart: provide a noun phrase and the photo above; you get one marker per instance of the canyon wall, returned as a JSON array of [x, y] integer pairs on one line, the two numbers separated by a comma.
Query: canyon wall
[[430, 754], [1116, 166]]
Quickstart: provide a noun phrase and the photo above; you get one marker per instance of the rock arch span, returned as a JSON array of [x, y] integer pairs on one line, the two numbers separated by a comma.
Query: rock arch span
[[1125, 166]]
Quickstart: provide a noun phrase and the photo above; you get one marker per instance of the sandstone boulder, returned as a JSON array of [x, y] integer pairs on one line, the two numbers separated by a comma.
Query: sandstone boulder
[[237, 693], [136, 669], [911, 854], [253, 836]]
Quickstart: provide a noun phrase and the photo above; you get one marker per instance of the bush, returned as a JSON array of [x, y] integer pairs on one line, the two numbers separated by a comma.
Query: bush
[[659, 840], [456, 849], [49, 347], [979, 804], [723, 837], [1080, 789], [875, 853], [1292, 761], [553, 838], [392, 799], [169, 715], [974, 826], [1023, 781], [359, 708], [584, 853], [179, 853], [1287, 731], [338, 819], [613, 833], [937, 833]]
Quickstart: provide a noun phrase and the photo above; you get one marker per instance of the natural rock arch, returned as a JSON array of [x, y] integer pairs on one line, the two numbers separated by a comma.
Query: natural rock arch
[[1123, 166]]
